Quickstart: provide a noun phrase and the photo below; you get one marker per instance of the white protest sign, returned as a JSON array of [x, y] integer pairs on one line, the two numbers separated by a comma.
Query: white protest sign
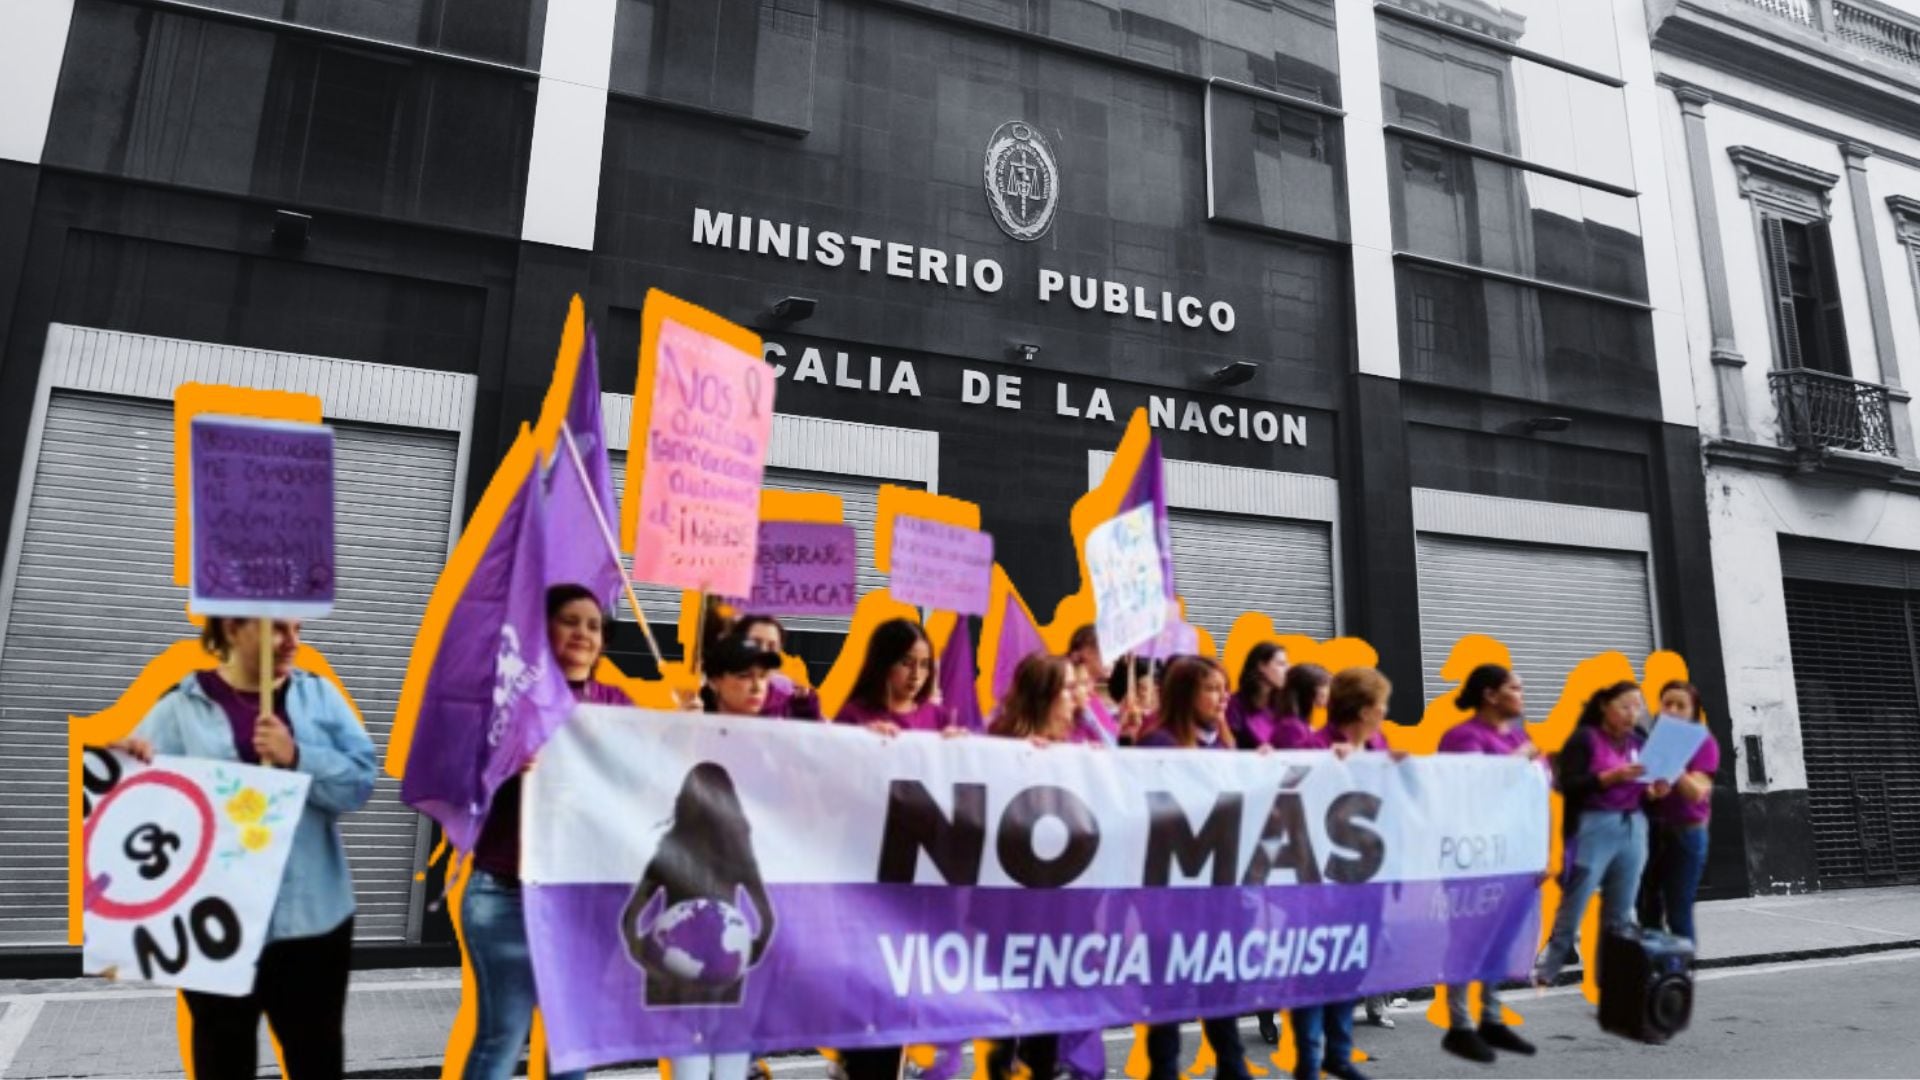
[[1129, 590], [180, 866]]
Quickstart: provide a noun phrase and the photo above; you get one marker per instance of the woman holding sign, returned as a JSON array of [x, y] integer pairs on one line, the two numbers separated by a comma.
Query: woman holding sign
[[785, 698], [1680, 822], [1497, 699], [1194, 717], [300, 984], [894, 690], [492, 920], [1601, 819]]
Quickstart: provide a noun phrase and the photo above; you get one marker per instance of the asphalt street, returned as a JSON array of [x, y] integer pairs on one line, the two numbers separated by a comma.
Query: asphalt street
[[1851, 1016]]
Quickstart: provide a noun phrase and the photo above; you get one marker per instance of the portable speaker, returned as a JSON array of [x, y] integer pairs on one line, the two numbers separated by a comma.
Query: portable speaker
[[1646, 984]]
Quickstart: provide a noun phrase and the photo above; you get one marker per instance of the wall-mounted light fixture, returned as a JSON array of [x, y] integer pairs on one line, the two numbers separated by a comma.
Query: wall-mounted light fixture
[[1233, 374], [1025, 353], [793, 309], [291, 229], [1539, 424]]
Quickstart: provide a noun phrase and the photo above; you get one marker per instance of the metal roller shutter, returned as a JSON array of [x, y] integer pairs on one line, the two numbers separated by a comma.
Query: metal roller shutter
[[1553, 607], [94, 602], [859, 500], [1227, 564], [1855, 665]]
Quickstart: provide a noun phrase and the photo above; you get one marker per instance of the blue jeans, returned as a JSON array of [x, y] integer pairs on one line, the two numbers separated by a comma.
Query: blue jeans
[[1608, 854], [1677, 876], [1332, 1023], [495, 928]]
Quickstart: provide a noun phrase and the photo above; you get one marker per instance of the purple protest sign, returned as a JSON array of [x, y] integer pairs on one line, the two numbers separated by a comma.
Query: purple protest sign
[[941, 566], [261, 499], [847, 908], [804, 568]]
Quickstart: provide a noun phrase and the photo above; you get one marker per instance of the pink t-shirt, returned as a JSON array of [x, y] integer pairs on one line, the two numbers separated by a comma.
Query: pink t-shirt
[[1608, 754], [1677, 809], [925, 716]]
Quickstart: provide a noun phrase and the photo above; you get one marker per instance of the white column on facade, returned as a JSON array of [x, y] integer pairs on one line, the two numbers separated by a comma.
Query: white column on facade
[[1369, 215], [33, 39], [1671, 356], [569, 123]]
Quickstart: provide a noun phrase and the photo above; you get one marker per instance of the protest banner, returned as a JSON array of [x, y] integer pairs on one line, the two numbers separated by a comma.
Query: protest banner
[[1129, 590], [703, 416], [940, 566], [181, 866], [262, 518], [804, 568], [812, 885]]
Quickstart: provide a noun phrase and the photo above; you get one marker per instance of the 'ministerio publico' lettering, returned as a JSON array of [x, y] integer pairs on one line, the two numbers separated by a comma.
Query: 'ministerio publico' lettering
[[956, 270]]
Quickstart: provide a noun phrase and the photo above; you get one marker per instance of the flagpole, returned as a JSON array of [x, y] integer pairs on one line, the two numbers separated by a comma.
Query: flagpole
[[613, 549]]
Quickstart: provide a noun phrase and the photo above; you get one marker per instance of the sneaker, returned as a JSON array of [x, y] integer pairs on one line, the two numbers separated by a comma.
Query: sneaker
[[1467, 1043], [1502, 1037], [1344, 1070], [1383, 1021]]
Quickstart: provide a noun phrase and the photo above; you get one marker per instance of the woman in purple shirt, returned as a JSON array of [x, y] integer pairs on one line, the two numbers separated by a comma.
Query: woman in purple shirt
[[1498, 700], [785, 698], [1259, 702], [1679, 847], [1602, 821], [492, 919], [894, 690], [1193, 715]]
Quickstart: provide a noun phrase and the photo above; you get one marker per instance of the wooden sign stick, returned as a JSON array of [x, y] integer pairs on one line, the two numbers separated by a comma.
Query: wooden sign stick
[[266, 669]]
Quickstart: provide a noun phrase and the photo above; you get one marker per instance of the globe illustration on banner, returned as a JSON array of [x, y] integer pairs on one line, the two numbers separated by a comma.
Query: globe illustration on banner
[[702, 941]]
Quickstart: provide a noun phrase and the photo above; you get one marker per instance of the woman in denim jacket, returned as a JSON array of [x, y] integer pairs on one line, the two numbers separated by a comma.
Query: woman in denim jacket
[[301, 981]]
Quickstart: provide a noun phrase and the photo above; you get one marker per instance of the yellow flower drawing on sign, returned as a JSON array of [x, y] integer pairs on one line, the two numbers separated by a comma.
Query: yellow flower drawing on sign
[[247, 807], [255, 837]]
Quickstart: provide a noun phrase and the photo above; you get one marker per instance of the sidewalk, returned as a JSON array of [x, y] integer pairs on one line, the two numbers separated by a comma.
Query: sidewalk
[[397, 1021]]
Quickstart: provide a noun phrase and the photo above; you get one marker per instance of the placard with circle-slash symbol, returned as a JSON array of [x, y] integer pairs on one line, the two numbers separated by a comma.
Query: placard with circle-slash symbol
[[181, 863]]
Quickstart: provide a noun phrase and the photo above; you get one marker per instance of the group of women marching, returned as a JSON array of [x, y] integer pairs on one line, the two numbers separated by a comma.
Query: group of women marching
[[1615, 822]]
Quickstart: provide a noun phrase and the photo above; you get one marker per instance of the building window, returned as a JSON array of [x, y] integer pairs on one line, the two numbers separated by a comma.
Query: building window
[[503, 31], [1791, 216], [750, 58], [1274, 167]]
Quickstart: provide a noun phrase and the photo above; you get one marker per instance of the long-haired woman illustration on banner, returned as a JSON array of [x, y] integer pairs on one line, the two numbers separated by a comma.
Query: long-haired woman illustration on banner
[[1193, 715], [1497, 699], [300, 982], [492, 911], [1602, 820]]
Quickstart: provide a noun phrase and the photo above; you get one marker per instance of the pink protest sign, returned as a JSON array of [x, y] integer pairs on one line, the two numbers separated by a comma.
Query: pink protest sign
[[804, 568], [709, 422], [940, 566]]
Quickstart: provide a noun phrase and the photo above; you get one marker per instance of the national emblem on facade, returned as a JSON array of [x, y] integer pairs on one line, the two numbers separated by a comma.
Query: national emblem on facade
[[1023, 181]]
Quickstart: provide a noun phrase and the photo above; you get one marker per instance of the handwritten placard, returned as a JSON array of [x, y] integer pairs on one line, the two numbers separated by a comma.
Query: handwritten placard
[[705, 452], [262, 517], [181, 863], [941, 566], [1129, 589], [804, 568]]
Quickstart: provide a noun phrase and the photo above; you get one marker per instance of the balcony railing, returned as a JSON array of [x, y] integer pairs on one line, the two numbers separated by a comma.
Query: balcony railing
[[1822, 411], [1882, 32]]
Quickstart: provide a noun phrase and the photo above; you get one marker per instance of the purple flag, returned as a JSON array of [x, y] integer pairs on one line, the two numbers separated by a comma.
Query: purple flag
[[581, 509], [1019, 638], [957, 675], [1149, 488], [1084, 1054], [494, 693]]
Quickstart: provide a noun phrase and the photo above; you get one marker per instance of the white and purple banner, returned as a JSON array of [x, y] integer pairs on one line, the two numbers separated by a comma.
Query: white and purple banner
[[706, 884]]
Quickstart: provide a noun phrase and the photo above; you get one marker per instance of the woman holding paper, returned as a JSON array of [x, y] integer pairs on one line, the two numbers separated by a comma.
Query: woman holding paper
[[1194, 717], [1679, 849], [894, 690], [1602, 820], [492, 921], [300, 984], [1497, 699]]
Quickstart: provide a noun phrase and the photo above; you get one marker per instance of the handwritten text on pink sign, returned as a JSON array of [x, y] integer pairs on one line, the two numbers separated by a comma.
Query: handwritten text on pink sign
[[706, 450], [940, 566]]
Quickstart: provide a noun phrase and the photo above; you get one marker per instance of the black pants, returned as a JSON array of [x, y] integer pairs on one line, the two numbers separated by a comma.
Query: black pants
[[1040, 1052], [301, 986], [873, 1063], [1223, 1034]]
